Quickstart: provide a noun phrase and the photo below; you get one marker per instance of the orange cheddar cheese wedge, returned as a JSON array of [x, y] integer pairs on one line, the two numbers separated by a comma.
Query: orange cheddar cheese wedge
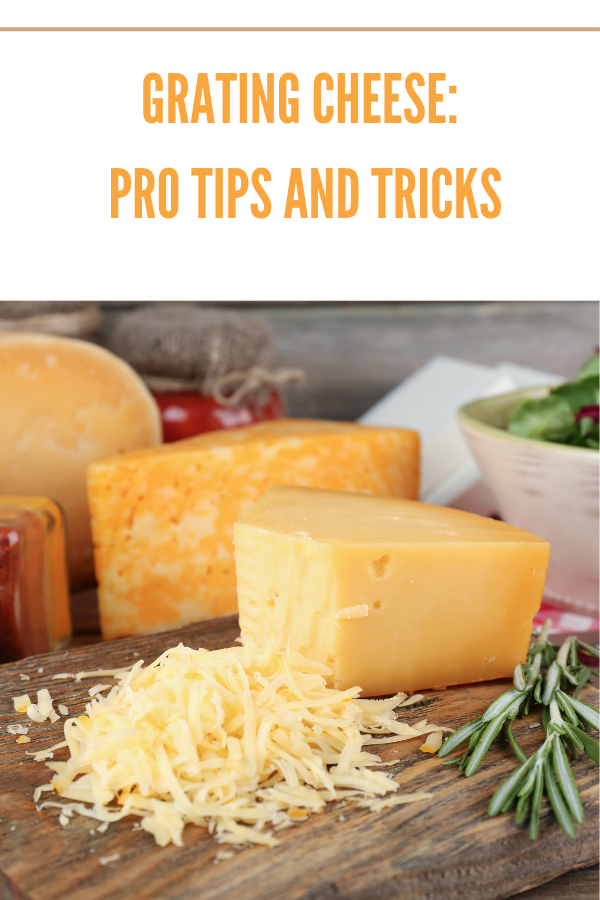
[[162, 518]]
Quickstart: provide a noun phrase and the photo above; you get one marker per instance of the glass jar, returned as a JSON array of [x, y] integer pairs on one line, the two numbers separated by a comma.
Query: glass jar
[[34, 595], [187, 413]]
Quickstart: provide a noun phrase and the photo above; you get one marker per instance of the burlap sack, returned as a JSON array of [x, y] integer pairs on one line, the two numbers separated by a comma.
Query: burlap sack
[[170, 343]]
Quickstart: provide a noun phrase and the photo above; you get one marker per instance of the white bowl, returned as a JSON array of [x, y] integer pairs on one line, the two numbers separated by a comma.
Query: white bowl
[[549, 489]]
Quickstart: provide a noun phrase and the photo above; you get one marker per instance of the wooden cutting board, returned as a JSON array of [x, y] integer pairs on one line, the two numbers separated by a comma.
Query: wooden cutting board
[[446, 847]]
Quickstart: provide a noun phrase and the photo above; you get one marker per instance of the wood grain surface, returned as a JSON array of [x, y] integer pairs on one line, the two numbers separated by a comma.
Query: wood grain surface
[[582, 884], [355, 352], [443, 848]]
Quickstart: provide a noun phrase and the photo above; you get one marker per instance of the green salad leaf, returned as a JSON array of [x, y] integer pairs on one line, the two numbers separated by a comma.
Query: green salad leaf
[[588, 434], [548, 419], [578, 393], [568, 415], [589, 370]]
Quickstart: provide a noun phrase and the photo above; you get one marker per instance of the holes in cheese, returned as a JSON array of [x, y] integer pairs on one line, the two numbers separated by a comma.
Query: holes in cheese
[[380, 566], [451, 596], [162, 519]]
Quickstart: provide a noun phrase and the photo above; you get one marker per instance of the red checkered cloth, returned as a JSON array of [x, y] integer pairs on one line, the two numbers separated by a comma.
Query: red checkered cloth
[[564, 622]]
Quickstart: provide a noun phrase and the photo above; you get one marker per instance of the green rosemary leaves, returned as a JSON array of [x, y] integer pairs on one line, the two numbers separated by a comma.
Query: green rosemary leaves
[[544, 680]]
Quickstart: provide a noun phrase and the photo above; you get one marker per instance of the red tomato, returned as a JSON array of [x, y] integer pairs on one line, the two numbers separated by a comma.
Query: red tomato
[[186, 413]]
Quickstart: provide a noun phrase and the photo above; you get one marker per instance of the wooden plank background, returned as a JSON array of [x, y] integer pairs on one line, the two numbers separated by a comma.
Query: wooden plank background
[[353, 353]]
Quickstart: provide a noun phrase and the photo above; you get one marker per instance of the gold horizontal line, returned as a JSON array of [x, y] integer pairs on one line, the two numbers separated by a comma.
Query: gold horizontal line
[[254, 28]]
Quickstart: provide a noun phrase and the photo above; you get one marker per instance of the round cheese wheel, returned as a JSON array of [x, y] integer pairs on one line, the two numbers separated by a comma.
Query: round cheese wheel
[[63, 404]]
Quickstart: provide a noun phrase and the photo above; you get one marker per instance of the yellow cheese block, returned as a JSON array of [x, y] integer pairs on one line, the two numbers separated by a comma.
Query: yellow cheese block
[[392, 595], [162, 519], [63, 404]]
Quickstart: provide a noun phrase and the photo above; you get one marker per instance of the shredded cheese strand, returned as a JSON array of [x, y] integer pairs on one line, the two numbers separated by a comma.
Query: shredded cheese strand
[[233, 740]]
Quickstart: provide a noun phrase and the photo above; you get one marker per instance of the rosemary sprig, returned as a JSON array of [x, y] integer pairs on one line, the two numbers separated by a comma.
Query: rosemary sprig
[[482, 731], [566, 720]]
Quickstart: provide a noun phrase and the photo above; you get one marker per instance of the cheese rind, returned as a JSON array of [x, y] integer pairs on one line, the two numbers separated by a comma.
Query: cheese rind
[[63, 404], [162, 519], [451, 596]]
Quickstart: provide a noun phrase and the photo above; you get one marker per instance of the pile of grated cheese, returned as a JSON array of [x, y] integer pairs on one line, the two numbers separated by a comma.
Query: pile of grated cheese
[[233, 740]]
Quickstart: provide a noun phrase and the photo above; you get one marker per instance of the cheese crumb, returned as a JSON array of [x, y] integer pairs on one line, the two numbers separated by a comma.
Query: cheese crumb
[[416, 698], [63, 710], [39, 790], [43, 709], [17, 729], [40, 755], [105, 860], [95, 673], [21, 703], [396, 800], [98, 688], [23, 739], [225, 739], [24, 677], [433, 742], [353, 612]]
